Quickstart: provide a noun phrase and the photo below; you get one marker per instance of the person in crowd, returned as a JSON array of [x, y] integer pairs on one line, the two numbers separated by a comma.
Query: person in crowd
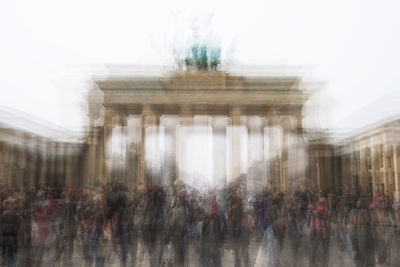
[[87, 233], [70, 225], [10, 225], [153, 221], [320, 232], [168, 223], [213, 234], [362, 234], [296, 221], [235, 215], [129, 227], [261, 209], [246, 235], [381, 209], [396, 236], [41, 222], [176, 227]]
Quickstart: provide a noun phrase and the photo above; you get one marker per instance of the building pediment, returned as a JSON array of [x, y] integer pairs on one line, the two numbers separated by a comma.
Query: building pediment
[[204, 88]]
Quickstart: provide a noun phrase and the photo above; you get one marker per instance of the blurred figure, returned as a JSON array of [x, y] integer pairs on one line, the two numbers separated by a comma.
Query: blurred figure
[[296, 223], [382, 217], [396, 246], [10, 223], [26, 225], [130, 227], [88, 235], [70, 226], [246, 235], [40, 226], [152, 223], [261, 210], [320, 233], [177, 227], [362, 237], [213, 234], [279, 222], [239, 224]]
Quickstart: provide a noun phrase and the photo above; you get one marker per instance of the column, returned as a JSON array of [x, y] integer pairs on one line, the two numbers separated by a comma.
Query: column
[[338, 174], [220, 149], [2, 160], [134, 131], [59, 164], [169, 173], [301, 150], [42, 159], [68, 166], [13, 164], [123, 122], [107, 144], [294, 151], [6, 163], [344, 183], [285, 153], [266, 144], [255, 151], [384, 170], [375, 177], [92, 155], [318, 160], [76, 172], [54, 160], [49, 163], [65, 163], [115, 146], [149, 118], [352, 171], [100, 159], [118, 150], [34, 163], [396, 172], [363, 171], [186, 119], [21, 163], [274, 150], [236, 133], [115, 120]]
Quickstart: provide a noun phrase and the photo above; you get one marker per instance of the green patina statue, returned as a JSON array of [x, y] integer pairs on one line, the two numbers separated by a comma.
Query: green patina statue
[[202, 58]]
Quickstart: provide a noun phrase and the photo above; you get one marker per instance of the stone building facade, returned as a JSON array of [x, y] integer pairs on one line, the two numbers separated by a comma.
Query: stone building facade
[[364, 162], [28, 159], [140, 128], [254, 124]]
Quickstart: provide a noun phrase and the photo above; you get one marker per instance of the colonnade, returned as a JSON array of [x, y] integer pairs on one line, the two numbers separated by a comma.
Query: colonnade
[[27, 161], [371, 166], [263, 145]]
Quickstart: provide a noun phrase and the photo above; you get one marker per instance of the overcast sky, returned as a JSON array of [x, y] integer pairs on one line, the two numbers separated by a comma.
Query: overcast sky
[[49, 49]]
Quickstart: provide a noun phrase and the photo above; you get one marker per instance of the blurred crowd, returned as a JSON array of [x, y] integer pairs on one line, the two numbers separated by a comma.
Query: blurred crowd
[[104, 224]]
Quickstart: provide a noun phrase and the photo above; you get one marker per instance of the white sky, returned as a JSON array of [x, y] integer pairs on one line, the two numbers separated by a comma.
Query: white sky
[[48, 48]]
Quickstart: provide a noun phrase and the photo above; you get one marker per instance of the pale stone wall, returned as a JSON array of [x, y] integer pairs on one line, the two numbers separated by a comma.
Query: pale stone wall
[[232, 105]]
